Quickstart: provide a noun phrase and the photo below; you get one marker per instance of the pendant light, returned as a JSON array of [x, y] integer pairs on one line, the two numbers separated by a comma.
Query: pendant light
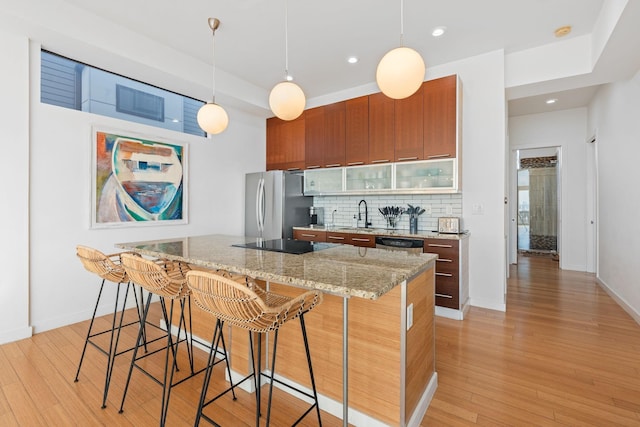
[[211, 117], [401, 70], [287, 100]]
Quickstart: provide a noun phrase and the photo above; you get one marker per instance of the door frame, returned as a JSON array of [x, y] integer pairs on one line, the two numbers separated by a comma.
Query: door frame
[[513, 195]]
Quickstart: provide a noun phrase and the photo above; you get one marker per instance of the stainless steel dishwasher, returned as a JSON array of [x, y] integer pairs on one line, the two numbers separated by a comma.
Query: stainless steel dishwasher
[[400, 244]]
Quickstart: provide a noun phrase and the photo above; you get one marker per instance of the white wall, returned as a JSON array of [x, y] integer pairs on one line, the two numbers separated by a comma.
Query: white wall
[[55, 181], [615, 114], [566, 129], [483, 172], [14, 176]]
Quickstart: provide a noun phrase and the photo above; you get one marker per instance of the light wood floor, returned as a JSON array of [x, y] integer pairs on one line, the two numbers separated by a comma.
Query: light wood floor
[[563, 354]]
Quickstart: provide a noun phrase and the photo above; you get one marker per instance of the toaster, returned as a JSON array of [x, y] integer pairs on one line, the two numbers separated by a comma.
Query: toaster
[[450, 225]]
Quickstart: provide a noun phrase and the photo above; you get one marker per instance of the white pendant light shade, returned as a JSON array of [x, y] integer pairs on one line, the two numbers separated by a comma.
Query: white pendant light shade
[[287, 100], [400, 73], [212, 118]]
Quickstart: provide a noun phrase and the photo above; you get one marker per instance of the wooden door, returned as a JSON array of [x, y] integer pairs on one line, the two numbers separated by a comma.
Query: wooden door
[[285, 144], [440, 117], [314, 138], [357, 131], [335, 134], [409, 128], [381, 128]]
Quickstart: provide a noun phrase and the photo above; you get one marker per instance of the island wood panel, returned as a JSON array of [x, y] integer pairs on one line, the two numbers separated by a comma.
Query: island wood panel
[[324, 332], [420, 361], [375, 356], [374, 352]]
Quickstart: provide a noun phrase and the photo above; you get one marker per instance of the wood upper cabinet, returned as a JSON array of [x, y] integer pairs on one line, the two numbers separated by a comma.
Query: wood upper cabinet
[[440, 117], [409, 128], [285, 144], [314, 137], [335, 134], [357, 131], [381, 128]]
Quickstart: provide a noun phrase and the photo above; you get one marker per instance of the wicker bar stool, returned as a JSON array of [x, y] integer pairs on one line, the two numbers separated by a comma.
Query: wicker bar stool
[[109, 269], [241, 302], [165, 279]]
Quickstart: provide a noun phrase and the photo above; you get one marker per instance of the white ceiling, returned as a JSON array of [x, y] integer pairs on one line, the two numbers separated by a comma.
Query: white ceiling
[[250, 42]]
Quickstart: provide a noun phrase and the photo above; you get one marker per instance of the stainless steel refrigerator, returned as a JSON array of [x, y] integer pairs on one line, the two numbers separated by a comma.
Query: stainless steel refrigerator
[[274, 203]]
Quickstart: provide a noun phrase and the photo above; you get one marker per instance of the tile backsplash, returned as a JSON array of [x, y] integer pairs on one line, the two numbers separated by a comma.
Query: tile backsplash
[[347, 206]]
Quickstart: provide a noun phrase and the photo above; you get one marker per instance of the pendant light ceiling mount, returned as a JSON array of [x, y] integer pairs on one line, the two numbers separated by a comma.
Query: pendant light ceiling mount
[[287, 100], [400, 72], [211, 117]]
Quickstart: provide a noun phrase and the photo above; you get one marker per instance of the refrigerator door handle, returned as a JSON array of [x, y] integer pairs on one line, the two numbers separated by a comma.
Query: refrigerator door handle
[[260, 206]]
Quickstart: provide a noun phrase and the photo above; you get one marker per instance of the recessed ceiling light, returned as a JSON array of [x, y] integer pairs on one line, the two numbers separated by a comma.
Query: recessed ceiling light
[[551, 100], [562, 31], [352, 59], [438, 31]]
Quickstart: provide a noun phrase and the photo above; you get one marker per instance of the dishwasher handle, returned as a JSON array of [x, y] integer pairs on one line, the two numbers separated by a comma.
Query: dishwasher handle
[[399, 242]]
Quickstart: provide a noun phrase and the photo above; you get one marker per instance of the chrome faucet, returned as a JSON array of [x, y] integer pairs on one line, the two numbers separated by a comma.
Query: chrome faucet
[[366, 214]]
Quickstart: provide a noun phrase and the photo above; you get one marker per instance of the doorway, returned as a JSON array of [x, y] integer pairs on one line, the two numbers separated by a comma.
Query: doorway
[[538, 192]]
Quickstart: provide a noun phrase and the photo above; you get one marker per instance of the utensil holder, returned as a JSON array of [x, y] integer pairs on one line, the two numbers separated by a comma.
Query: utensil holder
[[413, 225]]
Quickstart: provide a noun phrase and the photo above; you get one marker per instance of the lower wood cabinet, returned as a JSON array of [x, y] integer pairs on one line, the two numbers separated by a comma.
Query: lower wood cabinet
[[310, 235], [452, 277], [354, 239]]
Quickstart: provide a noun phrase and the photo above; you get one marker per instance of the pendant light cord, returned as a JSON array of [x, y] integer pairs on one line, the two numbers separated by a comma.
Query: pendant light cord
[[286, 40], [401, 23], [213, 52]]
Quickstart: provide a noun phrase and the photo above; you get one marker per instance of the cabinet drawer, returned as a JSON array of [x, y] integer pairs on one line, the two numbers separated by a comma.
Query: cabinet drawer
[[362, 240], [446, 301], [310, 236], [447, 294], [447, 278], [447, 265], [443, 247], [337, 237]]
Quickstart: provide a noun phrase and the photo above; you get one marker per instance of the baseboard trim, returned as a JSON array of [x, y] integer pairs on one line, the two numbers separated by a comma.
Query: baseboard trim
[[16, 334], [619, 300]]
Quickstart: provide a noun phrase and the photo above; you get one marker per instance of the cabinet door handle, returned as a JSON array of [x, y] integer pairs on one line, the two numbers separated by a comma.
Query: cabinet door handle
[[293, 169], [438, 260], [380, 161], [444, 274], [335, 237], [444, 296], [355, 163], [333, 165], [401, 159], [357, 239], [435, 245], [309, 235], [313, 167], [436, 156]]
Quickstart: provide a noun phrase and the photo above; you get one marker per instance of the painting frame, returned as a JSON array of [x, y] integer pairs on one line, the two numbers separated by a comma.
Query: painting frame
[[137, 180]]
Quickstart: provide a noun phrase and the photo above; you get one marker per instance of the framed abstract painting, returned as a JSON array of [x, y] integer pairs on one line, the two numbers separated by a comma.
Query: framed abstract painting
[[137, 181]]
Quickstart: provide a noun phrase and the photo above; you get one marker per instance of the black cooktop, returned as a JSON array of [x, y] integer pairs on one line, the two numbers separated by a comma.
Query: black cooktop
[[288, 246]]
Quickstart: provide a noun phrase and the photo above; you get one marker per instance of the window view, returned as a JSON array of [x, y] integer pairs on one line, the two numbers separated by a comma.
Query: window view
[[70, 84]]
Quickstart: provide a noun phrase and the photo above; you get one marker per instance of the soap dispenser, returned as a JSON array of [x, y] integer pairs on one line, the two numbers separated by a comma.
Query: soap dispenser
[[354, 224]]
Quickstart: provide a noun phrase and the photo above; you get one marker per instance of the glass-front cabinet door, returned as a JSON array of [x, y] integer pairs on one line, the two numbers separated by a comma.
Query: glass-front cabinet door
[[323, 181], [369, 178], [433, 175]]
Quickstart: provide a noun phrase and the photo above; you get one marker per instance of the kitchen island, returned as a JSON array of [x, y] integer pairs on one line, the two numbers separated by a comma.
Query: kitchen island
[[372, 339]]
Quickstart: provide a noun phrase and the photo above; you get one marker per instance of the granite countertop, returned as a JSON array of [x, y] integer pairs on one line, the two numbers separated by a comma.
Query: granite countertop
[[342, 270], [422, 234]]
